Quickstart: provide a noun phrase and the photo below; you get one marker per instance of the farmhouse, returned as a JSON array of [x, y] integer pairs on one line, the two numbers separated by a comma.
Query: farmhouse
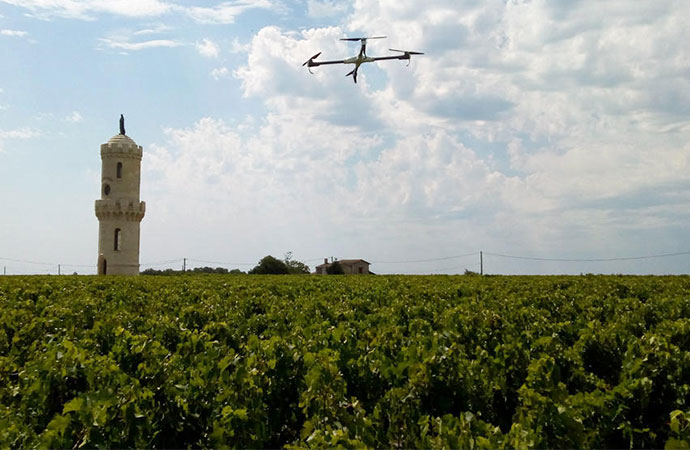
[[350, 266]]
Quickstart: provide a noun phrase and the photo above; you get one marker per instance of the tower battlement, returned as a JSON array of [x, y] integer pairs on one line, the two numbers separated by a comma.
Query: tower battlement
[[127, 210], [121, 145]]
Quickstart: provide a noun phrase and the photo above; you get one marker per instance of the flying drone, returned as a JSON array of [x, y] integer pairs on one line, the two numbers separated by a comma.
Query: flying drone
[[361, 58]]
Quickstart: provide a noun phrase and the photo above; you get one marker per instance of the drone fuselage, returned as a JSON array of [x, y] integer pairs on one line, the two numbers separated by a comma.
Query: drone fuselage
[[359, 59]]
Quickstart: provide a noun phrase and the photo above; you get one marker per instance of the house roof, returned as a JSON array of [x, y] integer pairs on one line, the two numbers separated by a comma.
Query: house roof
[[351, 261], [344, 261]]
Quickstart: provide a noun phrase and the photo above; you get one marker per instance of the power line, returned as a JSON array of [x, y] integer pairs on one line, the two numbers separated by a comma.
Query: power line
[[27, 262], [221, 263], [630, 258], [426, 260], [160, 263]]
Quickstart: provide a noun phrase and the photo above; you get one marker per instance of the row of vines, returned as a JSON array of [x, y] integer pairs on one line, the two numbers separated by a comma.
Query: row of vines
[[378, 361]]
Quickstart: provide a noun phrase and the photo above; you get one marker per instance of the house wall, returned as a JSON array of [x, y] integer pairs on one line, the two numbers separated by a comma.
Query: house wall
[[354, 268]]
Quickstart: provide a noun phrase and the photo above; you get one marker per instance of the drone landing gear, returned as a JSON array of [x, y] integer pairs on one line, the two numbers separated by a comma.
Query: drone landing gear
[[354, 74]]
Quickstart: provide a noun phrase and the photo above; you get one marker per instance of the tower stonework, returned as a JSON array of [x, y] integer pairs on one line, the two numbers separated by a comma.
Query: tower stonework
[[119, 210]]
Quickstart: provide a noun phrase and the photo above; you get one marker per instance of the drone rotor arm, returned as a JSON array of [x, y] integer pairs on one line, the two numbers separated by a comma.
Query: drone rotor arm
[[311, 63], [385, 58], [325, 63]]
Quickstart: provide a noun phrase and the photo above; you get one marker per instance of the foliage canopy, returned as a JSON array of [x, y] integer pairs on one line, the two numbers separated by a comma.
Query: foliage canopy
[[389, 361]]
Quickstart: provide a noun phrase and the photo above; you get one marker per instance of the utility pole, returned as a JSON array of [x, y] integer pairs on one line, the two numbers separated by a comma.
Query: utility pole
[[58, 269], [481, 263], [4, 270], [184, 264]]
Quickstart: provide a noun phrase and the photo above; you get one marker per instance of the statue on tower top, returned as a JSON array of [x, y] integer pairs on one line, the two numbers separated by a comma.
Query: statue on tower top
[[122, 124]]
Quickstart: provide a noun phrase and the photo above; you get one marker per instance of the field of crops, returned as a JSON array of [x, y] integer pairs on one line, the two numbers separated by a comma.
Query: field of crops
[[378, 361]]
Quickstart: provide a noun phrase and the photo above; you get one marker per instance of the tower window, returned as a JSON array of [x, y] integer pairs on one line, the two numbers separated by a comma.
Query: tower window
[[118, 239], [106, 189], [119, 170]]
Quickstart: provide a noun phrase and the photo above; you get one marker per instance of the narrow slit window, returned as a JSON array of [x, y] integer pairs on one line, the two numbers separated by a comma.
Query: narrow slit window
[[119, 170], [118, 239]]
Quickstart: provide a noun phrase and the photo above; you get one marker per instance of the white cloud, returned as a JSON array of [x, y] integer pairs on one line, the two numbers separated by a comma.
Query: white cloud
[[220, 73], [225, 12], [75, 117], [86, 9], [237, 47], [207, 48], [19, 133], [154, 29], [14, 33], [528, 124], [136, 46], [326, 8]]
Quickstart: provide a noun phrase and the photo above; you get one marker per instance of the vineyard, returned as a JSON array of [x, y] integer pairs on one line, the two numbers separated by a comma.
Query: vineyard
[[375, 361]]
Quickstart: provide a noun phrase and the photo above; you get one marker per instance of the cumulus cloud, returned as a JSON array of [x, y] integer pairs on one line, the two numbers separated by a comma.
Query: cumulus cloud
[[136, 46], [14, 33], [75, 117], [224, 13], [18, 133], [153, 29], [220, 72], [326, 8], [87, 9], [207, 48], [531, 119], [237, 47]]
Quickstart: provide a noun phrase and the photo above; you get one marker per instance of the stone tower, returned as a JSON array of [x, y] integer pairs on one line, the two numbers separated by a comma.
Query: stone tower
[[119, 210]]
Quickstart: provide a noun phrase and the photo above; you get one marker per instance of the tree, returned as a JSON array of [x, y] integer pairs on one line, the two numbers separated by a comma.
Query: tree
[[270, 265], [294, 266], [335, 269], [210, 270]]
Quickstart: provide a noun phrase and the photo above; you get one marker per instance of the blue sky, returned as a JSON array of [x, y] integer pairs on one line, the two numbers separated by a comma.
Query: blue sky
[[556, 130]]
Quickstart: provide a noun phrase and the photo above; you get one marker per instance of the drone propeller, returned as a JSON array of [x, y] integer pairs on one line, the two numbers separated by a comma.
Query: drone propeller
[[309, 62], [363, 38], [406, 54], [311, 59], [406, 51]]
